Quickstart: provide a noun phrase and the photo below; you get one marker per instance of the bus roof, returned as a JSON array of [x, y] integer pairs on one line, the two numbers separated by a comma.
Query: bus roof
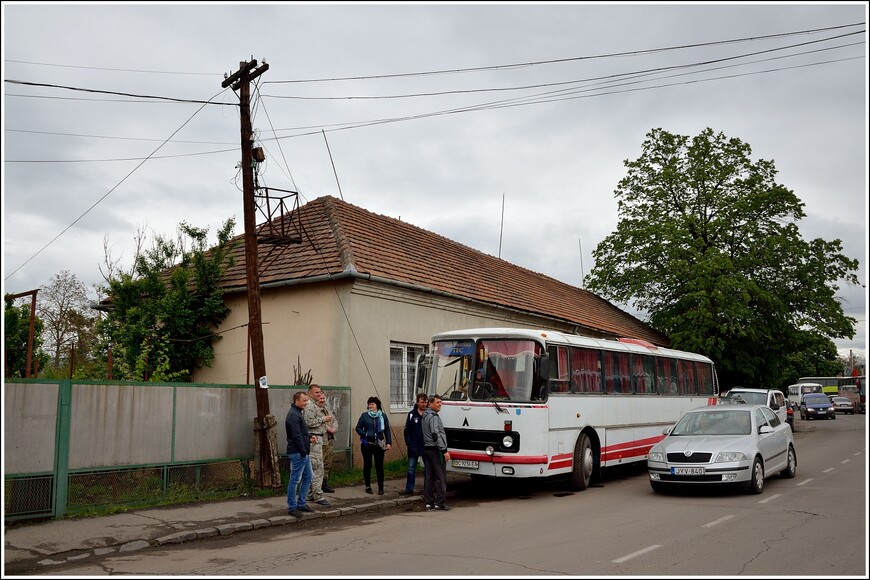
[[556, 337]]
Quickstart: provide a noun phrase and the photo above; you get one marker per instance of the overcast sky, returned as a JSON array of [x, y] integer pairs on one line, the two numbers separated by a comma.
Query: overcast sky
[[503, 127]]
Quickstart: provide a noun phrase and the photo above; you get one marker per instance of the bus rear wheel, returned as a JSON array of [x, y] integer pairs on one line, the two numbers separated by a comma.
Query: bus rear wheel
[[584, 463]]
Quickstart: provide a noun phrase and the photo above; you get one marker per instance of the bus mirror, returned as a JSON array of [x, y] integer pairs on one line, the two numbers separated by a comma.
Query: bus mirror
[[424, 363], [544, 368]]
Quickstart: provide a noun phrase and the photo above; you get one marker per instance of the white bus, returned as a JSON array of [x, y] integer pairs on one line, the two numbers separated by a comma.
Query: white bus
[[537, 403], [797, 391]]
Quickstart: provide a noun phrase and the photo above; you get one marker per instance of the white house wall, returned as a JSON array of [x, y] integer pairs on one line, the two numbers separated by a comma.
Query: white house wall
[[352, 350]]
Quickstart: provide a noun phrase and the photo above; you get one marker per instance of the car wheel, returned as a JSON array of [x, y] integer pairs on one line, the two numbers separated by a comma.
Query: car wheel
[[791, 468], [584, 462], [756, 484]]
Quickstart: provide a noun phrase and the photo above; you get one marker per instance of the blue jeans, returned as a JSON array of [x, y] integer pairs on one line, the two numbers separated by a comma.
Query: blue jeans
[[301, 475], [412, 471]]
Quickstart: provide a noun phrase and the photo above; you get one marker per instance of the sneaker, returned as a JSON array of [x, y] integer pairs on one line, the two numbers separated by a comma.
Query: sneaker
[[369, 490], [327, 489], [294, 513], [324, 502], [406, 492], [305, 508], [429, 506], [381, 491], [441, 508]]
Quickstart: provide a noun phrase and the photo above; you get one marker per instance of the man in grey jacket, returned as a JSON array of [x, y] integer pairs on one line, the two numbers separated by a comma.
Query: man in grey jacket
[[435, 456]]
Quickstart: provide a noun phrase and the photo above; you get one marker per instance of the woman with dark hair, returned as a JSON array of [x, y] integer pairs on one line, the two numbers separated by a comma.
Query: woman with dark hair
[[373, 429]]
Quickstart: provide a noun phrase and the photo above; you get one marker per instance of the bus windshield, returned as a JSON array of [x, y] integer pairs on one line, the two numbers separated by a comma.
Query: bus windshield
[[485, 370]]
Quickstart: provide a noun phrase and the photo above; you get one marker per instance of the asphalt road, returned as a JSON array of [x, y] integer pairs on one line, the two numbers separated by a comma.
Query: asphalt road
[[814, 524]]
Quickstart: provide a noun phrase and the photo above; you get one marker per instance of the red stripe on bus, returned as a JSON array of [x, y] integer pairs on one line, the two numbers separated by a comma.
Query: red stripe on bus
[[449, 403], [484, 458], [648, 441]]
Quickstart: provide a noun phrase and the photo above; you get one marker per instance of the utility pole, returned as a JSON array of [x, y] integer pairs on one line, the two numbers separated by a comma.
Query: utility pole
[[265, 441]]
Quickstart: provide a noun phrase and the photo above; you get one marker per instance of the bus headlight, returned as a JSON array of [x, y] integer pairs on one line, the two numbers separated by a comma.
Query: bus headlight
[[507, 441], [490, 451]]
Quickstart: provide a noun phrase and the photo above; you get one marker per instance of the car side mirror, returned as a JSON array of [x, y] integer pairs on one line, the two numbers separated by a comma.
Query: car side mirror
[[765, 429]]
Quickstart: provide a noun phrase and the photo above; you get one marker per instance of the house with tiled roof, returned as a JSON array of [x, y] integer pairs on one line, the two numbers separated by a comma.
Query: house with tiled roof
[[358, 295]]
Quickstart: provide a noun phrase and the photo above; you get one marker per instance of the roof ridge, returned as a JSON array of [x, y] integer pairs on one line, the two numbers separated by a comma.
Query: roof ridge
[[345, 250]]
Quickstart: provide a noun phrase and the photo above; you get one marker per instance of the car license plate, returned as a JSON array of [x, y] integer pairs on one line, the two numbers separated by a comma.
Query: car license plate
[[465, 463], [687, 470]]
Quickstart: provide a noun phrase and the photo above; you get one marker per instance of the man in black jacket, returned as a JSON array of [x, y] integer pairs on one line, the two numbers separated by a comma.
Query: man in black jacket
[[298, 452], [414, 441]]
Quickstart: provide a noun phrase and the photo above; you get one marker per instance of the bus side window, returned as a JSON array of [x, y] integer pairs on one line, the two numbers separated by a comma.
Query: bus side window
[[558, 369], [585, 371]]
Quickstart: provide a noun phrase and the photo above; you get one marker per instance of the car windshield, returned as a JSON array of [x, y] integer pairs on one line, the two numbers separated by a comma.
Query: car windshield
[[842, 400], [714, 423], [749, 397], [816, 399]]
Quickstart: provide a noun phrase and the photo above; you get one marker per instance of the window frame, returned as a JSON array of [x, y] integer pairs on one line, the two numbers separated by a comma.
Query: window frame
[[403, 395]]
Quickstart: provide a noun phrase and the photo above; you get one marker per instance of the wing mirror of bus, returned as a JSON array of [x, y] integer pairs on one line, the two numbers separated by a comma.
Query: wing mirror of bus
[[544, 367], [424, 363]]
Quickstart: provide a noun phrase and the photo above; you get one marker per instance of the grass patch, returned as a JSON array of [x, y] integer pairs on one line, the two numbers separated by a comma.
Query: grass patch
[[349, 477]]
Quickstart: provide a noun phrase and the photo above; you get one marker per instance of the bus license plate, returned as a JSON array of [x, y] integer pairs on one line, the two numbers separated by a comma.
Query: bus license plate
[[687, 470], [465, 463]]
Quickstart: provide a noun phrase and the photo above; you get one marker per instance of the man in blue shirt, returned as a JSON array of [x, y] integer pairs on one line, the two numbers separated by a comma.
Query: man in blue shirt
[[299, 452]]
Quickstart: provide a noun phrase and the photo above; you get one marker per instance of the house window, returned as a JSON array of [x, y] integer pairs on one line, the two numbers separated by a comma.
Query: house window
[[403, 373]]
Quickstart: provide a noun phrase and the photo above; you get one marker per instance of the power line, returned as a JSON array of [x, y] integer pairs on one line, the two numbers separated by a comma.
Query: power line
[[96, 203], [606, 77], [542, 98], [161, 72], [569, 59], [114, 137], [173, 99]]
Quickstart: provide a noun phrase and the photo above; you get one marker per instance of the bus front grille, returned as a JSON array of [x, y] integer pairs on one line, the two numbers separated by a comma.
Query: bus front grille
[[477, 440]]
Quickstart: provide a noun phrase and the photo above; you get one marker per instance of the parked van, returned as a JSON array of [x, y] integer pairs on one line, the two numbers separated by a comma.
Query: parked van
[[796, 392], [772, 398]]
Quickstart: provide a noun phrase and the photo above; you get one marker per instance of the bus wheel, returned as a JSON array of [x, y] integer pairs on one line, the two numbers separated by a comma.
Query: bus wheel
[[584, 462]]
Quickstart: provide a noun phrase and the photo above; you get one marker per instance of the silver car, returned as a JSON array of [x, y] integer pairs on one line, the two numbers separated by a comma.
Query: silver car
[[738, 445], [842, 405]]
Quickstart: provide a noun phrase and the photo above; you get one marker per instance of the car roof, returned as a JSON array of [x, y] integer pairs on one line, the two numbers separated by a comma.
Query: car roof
[[748, 390], [725, 408]]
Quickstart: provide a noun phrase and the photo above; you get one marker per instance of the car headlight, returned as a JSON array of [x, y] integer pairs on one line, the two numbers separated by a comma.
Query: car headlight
[[730, 457], [656, 456]]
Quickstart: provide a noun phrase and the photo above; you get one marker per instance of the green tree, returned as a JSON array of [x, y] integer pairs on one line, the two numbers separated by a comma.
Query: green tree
[[707, 244], [16, 329], [163, 314]]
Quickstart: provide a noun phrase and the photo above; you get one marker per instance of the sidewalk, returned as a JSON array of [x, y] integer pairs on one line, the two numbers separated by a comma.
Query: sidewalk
[[40, 546]]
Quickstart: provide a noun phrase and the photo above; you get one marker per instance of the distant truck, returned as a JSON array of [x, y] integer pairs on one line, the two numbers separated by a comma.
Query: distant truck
[[853, 393]]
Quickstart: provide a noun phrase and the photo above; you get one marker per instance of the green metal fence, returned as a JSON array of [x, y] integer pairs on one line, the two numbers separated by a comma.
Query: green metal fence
[[66, 491]]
